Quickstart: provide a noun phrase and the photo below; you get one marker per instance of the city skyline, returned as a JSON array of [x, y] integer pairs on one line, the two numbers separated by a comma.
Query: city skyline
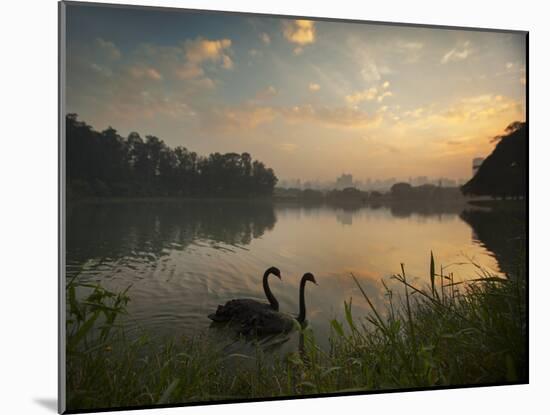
[[311, 99], [349, 180]]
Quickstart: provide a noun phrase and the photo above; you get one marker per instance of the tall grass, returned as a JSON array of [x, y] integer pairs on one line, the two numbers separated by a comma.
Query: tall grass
[[459, 333]]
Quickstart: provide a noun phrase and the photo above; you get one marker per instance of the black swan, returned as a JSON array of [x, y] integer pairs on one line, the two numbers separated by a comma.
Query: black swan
[[242, 309], [268, 321]]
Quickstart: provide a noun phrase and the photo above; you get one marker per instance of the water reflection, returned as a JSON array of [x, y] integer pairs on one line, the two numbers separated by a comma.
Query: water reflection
[[503, 233], [442, 210], [152, 229], [183, 259]]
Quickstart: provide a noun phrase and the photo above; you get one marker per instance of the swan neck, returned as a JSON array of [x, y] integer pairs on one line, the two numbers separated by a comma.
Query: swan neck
[[270, 297], [302, 315]]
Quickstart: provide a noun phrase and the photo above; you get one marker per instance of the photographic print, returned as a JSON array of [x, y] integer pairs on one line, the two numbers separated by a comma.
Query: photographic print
[[259, 207]]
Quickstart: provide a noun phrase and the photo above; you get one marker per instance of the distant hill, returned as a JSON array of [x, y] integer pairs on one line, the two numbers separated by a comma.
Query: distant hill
[[504, 172]]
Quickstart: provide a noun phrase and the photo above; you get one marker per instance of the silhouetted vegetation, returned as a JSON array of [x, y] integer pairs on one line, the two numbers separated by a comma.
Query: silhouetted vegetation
[[504, 172], [404, 191], [293, 194], [106, 164], [399, 192]]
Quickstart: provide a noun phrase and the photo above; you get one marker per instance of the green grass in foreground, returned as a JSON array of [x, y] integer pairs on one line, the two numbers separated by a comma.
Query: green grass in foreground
[[434, 336]]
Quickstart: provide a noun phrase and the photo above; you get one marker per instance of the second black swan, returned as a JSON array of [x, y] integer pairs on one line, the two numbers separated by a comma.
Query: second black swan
[[268, 321]]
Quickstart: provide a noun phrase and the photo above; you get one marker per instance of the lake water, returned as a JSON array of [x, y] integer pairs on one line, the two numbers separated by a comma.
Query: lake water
[[182, 259]]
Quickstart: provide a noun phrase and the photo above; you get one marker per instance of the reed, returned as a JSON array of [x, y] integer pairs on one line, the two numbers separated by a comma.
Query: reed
[[460, 333]]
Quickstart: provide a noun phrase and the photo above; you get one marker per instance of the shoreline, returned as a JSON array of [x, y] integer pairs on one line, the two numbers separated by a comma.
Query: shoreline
[[465, 203]]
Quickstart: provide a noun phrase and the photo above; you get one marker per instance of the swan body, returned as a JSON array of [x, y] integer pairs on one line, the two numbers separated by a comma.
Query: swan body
[[269, 321], [244, 309]]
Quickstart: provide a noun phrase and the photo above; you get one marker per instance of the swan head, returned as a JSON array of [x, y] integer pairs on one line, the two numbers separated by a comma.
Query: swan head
[[275, 271], [308, 276]]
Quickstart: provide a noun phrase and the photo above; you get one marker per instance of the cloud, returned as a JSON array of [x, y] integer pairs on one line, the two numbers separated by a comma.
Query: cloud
[[383, 95], [202, 50], [194, 61], [515, 68], [108, 49], [102, 70], [238, 118], [250, 116], [299, 32], [152, 103], [360, 96], [371, 72], [147, 80], [370, 94], [481, 107], [411, 51], [144, 72], [205, 83], [332, 80], [313, 87], [266, 93], [189, 71], [264, 37], [329, 116], [458, 53], [410, 45], [227, 63], [129, 104], [416, 113]]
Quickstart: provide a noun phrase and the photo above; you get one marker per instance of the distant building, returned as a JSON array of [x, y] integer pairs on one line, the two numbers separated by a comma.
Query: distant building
[[445, 182], [345, 180], [476, 164], [420, 180]]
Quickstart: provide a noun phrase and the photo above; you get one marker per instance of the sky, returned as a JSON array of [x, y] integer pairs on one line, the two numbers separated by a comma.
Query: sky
[[311, 99]]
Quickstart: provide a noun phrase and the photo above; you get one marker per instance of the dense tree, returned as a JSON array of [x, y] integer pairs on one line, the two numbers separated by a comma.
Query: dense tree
[[104, 163], [401, 190], [504, 172]]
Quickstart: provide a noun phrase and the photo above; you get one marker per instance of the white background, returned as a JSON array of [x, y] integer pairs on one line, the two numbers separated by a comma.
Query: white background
[[28, 204]]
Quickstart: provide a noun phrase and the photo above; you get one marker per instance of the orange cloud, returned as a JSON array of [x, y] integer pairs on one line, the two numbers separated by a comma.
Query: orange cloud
[[202, 50], [241, 118], [482, 107], [250, 116], [300, 32]]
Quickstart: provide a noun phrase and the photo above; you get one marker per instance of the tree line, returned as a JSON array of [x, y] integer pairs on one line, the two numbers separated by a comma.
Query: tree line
[[107, 164], [504, 172]]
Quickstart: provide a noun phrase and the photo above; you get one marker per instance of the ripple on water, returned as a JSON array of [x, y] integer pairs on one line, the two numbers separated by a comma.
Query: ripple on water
[[183, 260]]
